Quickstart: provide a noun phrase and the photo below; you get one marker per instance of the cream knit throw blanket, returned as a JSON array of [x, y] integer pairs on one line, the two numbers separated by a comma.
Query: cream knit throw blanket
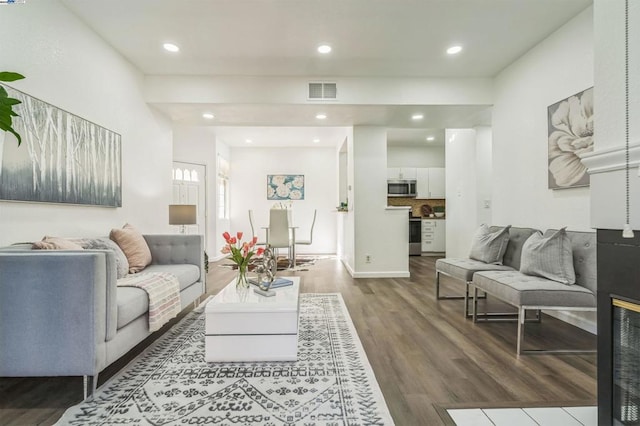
[[163, 289]]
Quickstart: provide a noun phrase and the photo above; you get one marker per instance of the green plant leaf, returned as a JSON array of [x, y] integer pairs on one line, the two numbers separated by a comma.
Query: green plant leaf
[[10, 76]]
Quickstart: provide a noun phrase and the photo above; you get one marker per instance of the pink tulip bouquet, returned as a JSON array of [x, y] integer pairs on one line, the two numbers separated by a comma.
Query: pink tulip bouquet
[[241, 254]]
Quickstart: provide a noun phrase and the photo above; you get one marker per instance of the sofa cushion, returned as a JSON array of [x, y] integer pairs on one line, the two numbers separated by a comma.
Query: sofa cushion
[[464, 269], [134, 247], [132, 302], [187, 274], [489, 246], [519, 289], [549, 256]]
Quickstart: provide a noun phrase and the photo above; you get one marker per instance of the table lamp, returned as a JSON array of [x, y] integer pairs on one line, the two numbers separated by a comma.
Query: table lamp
[[182, 214]]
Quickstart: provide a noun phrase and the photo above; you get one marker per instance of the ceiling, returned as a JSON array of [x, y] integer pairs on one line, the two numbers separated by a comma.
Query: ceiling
[[370, 38]]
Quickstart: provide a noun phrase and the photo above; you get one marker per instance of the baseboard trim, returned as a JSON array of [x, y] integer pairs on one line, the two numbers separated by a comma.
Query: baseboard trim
[[574, 319]]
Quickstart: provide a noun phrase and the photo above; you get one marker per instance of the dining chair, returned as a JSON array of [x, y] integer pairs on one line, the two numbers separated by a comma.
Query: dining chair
[[253, 230], [278, 235], [310, 240]]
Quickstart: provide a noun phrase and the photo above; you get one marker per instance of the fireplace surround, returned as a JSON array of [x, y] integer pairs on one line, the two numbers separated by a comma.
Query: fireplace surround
[[618, 328]]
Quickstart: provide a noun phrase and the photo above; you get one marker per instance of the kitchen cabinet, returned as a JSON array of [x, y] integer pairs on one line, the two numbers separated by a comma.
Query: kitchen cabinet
[[430, 182], [401, 173], [433, 235]]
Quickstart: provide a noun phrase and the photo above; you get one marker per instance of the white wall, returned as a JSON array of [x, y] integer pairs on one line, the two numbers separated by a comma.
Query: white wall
[[69, 66], [248, 190], [410, 156], [198, 145], [461, 191], [608, 164], [484, 170], [383, 234], [558, 67]]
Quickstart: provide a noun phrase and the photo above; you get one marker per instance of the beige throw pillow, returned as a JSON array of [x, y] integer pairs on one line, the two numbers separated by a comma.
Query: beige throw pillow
[[549, 256], [55, 243], [134, 246]]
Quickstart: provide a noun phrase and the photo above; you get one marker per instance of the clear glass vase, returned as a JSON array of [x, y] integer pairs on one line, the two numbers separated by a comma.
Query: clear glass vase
[[241, 279]]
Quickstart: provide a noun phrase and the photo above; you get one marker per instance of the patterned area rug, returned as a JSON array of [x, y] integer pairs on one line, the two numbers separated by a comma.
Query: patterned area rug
[[302, 262], [169, 383]]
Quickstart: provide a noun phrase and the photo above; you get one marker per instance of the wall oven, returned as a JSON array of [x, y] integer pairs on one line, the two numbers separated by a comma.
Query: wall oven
[[401, 188]]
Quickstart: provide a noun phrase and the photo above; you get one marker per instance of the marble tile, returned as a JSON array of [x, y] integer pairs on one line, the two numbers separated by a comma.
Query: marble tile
[[551, 416], [469, 417], [509, 417], [588, 416]]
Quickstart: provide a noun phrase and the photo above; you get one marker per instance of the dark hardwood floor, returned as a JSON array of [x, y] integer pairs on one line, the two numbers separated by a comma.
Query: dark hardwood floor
[[425, 355]]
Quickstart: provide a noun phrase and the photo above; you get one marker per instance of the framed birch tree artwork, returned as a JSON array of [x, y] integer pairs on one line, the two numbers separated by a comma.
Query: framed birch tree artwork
[[63, 158], [570, 126]]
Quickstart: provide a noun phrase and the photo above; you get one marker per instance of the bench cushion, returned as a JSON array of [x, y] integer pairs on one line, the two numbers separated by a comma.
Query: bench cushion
[[519, 289], [463, 269]]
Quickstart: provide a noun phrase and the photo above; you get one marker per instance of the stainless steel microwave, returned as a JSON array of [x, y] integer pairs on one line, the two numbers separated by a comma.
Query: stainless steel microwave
[[401, 188]]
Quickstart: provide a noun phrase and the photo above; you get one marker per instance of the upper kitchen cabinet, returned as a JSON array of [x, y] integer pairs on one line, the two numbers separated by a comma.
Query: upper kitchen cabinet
[[402, 173], [430, 182]]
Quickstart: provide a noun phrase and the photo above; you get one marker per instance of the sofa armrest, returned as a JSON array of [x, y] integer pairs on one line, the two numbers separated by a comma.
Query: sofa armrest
[[177, 249], [53, 311]]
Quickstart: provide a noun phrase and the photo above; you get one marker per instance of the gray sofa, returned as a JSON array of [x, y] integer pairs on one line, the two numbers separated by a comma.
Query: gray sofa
[[62, 314]]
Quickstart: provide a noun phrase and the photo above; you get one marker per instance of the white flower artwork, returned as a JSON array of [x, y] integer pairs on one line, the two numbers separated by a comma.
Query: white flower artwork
[[570, 125], [285, 187]]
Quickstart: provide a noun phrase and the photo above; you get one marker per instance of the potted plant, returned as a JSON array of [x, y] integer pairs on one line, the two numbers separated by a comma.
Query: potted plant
[[438, 211], [7, 103]]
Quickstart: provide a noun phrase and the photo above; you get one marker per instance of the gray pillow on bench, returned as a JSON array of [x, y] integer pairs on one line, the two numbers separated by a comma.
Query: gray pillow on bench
[[489, 247], [549, 256]]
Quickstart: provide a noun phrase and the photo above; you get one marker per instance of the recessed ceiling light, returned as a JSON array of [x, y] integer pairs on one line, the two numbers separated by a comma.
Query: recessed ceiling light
[[324, 48], [248, 141], [321, 116], [170, 47], [316, 140], [454, 49], [208, 116], [417, 116], [430, 138]]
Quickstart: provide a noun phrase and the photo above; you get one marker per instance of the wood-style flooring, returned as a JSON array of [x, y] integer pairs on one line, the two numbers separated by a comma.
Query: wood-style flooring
[[426, 356]]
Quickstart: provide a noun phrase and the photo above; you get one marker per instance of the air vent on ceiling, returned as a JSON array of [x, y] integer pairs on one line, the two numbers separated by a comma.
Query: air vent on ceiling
[[323, 91]]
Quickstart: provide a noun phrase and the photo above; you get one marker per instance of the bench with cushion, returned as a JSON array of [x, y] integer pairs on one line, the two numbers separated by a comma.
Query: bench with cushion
[[463, 269], [560, 277]]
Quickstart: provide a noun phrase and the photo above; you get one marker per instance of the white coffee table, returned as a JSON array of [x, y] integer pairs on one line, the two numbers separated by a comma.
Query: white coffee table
[[244, 326]]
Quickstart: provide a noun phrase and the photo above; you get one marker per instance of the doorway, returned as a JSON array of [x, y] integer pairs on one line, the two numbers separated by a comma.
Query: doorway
[[190, 187]]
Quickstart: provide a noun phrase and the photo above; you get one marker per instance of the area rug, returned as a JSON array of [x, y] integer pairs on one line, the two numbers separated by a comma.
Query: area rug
[[169, 383]]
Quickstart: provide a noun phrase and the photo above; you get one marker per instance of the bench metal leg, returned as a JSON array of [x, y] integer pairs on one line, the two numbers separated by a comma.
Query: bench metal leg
[[498, 316], [520, 343], [465, 297]]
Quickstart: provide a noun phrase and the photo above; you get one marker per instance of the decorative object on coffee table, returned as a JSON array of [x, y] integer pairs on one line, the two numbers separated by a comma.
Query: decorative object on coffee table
[[241, 254], [269, 268]]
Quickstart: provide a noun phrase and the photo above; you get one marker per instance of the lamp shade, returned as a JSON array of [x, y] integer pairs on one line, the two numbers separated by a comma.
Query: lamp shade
[[182, 214]]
